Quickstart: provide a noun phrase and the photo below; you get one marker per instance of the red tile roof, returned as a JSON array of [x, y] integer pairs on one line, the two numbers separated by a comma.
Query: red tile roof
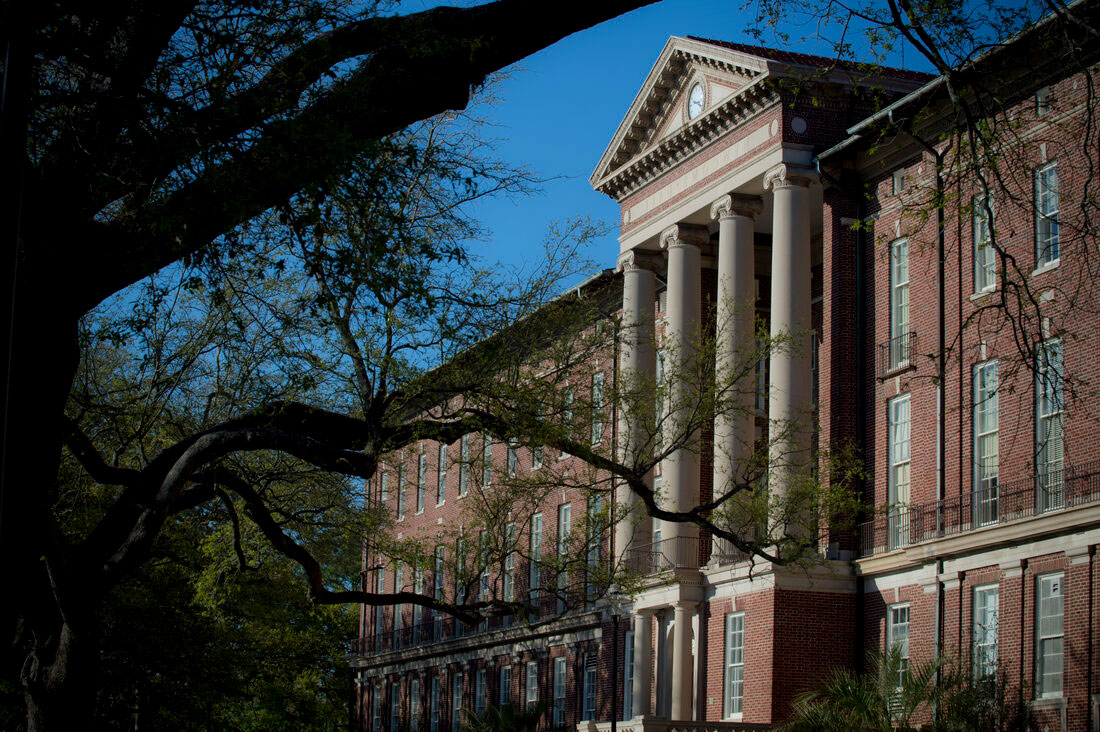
[[805, 59]]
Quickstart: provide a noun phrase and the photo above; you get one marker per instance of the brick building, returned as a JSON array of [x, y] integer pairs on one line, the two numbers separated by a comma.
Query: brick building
[[959, 354]]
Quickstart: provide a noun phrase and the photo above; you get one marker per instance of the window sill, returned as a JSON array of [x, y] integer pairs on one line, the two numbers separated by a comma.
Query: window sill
[[897, 370], [442, 503], [418, 512], [1045, 268], [733, 718], [983, 294]]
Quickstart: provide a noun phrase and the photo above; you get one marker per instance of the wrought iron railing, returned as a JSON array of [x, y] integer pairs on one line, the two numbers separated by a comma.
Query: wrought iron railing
[[1049, 491], [677, 552], [896, 354]]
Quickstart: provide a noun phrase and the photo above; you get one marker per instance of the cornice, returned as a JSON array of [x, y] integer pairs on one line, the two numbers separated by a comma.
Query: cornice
[[737, 109]]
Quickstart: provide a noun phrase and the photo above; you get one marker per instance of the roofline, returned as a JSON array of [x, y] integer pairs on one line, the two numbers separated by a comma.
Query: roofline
[[854, 132]]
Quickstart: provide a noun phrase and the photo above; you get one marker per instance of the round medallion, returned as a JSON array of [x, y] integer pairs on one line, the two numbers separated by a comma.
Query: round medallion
[[695, 101]]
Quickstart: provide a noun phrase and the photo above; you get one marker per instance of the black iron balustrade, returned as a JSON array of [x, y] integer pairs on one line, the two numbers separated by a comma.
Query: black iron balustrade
[[896, 354], [994, 504], [677, 552]]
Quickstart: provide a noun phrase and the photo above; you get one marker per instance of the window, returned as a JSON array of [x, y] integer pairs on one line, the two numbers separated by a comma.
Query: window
[[1042, 101], [418, 610], [535, 578], [567, 408], [456, 700], [899, 470], [505, 685], [985, 257], [402, 493], [1048, 635], [897, 637], [486, 459], [460, 580], [984, 634], [376, 710], [434, 705], [483, 561], [536, 457], [661, 400], [421, 481], [480, 683], [565, 526], [815, 369], [398, 610], [985, 443], [438, 579], [383, 489], [1049, 437], [1046, 214], [441, 476], [395, 707], [628, 675], [899, 303], [559, 692], [513, 458], [414, 705], [761, 376], [380, 613], [735, 663], [597, 407], [595, 534], [589, 687], [897, 181], [532, 697], [510, 563], [464, 465]]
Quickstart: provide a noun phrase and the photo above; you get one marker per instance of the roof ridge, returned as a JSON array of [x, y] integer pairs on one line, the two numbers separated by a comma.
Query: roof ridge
[[809, 59]]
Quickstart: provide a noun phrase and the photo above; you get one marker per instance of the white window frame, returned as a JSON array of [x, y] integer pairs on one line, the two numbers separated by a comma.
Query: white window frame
[[534, 579], [509, 573], [464, 465], [421, 481], [1047, 250], [458, 680], [899, 303], [414, 704], [438, 580], [402, 493], [395, 706], [481, 683], [433, 705], [383, 489], [398, 610], [597, 407], [486, 459], [565, 527], [899, 454], [1049, 426], [628, 675], [986, 452], [734, 680], [505, 691], [897, 634], [531, 684], [897, 181], [1049, 634], [376, 709], [512, 460], [441, 476], [984, 631], [985, 256], [558, 718], [588, 687]]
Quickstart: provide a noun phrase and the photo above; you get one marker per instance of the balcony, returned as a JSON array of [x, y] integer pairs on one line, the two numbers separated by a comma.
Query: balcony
[[444, 629], [679, 552], [995, 504], [652, 724], [895, 355]]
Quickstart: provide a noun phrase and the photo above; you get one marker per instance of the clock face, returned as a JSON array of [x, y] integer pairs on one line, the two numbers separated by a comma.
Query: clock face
[[695, 101]]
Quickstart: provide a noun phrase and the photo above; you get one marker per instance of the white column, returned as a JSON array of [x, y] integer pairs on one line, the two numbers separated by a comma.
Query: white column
[[789, 392], [638, 370], [680, 471], [682, 667], [643, 662], [734, 423]]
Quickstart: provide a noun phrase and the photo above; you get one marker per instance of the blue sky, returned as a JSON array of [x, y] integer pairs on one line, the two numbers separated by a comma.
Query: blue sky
[[560, 107]]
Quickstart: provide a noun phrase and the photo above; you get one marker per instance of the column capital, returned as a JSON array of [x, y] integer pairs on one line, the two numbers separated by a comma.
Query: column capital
[[681, 235], [786, 175], [733, 204], [634, 260]]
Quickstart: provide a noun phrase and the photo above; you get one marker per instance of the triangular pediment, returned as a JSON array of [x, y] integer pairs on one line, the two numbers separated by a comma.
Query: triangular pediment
[[661, 107]]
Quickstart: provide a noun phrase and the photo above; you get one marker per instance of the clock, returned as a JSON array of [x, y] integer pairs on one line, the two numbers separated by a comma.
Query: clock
[[695, 101]]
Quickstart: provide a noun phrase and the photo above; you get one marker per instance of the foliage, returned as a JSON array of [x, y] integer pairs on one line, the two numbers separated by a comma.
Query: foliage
[[507, 718], [895, 692]]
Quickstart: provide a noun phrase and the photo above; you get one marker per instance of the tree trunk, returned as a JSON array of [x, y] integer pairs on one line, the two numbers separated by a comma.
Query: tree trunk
[[60, 682]]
